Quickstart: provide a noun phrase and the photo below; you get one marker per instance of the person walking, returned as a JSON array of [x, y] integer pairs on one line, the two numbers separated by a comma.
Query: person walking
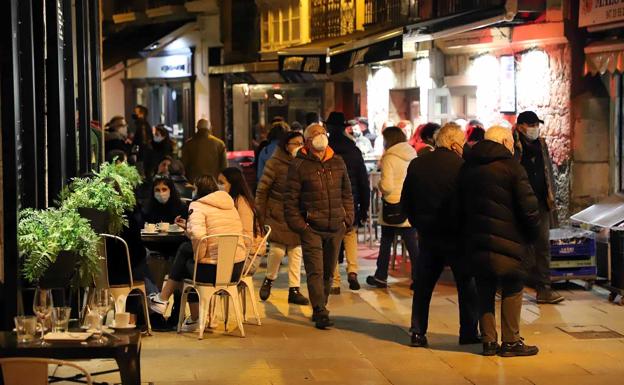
[[394, 163], [500, 217], [319, 206], [430, 200], [270, 205], [348, 150], [278, 130], [203, 154], [532, 152]]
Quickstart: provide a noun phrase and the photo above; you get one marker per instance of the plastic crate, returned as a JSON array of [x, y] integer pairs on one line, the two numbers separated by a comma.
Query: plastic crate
[[572, 243], [587, 272]]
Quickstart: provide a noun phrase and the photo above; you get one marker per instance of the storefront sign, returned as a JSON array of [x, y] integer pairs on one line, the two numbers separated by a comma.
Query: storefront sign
[[596, 12], [384, 50], [508, 84], [303, 63], [174, 66]]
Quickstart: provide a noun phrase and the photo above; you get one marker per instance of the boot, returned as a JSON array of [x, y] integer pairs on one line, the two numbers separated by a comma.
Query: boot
[[548, 296], [265, 290], [418, 341], [295, 296], [353, 281], [516, 349], [490, 348]]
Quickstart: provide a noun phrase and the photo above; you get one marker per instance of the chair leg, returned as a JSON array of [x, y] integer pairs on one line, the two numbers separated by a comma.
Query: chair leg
[[182, 314], [213, 312], [204, 305], [225, 303], [146, 311], [242, 293], [233, 294], [254, 303]]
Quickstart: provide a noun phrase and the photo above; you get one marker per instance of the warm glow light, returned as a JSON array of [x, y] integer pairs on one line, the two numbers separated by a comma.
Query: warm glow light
[[379, 86], [533, 79], [424, 83], [484, 72]]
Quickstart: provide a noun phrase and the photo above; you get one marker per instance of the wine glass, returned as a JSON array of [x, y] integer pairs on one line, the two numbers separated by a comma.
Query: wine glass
[[101, 302], [42, 307]]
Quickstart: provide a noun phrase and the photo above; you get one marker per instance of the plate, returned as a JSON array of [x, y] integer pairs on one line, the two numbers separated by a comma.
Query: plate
[[128, 326], [67, 336], [143, 232], [176, 231]]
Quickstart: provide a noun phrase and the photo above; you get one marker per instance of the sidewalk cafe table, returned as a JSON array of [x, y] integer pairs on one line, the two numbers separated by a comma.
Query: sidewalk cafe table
[[123, 346]]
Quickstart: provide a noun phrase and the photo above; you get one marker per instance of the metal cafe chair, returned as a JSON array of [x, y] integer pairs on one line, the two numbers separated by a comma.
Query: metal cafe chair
[[34, 371], [246, 284], [223, 287]]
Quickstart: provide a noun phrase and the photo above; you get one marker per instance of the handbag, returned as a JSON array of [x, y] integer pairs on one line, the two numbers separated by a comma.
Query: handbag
[[392, 213]]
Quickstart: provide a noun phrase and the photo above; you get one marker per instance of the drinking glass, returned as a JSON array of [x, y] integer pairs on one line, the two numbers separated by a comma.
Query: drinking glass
[[101, 303], [60, 319], [26, 327], [42, 306]]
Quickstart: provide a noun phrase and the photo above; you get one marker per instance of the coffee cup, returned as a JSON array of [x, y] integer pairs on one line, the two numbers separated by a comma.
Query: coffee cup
[[122, 319], [163, 227], [174, 227], [150, 228]]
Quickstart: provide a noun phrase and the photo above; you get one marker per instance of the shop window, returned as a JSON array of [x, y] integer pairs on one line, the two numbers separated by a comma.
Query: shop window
[[285, 24], [276, 26], [264, 26], [280, 27], [295, 21]]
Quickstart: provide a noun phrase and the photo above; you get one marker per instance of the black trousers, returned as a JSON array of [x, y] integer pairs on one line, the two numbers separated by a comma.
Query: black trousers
[[320, 255], [541, 252], [511, 305], [429, 267]]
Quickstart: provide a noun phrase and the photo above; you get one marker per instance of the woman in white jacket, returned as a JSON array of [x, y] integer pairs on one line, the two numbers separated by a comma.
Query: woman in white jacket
[[396, 158]]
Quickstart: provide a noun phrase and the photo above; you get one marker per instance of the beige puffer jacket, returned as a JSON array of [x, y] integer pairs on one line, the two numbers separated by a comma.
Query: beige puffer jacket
[[210, 215], [394, 163]]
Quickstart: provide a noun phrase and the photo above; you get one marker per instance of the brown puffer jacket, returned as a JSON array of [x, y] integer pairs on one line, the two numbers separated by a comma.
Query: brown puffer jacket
[[270, 198], [318, 193]]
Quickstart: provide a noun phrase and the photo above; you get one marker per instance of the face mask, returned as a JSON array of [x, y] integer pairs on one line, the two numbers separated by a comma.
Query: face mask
[[320, 142], [162, 197], [135, 116], [357, 134], [532, 133], [221, 186], [158, 139], [295, 151]]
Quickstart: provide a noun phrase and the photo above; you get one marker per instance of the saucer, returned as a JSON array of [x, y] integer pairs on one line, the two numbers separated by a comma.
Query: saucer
[[128, 326], [149, 232], [179, 231]]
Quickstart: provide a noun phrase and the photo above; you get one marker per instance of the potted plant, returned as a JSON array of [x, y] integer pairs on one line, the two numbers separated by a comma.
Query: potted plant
[[122, 172], [53, 243], [103, 198]]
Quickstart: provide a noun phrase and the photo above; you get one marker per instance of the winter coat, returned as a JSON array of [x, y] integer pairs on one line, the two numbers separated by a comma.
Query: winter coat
[[143, 137], [203, 154], [318, 193], [430, 200], [263, 156], [351, 155], [500, 211], [156, 212], [210, 215], [116, 141], [270, 198], [394, 164], [163, 149], [548, 175]]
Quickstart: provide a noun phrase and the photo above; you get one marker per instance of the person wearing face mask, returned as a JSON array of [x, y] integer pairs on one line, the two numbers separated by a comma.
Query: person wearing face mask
[[500, 218], [163, 146], [532, 152], [164, 204], [430, 200], [318, 205], [270, 206], [116, 135]]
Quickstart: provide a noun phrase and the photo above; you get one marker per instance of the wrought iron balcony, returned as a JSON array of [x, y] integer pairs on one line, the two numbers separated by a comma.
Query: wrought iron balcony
[[389, 11], [432, 9], [329, 19]]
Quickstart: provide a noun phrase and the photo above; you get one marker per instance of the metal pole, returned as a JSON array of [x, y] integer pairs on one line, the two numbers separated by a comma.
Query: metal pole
[[84, 88], [71, 153]]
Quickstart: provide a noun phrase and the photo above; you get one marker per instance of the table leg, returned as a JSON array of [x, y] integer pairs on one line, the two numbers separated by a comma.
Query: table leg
[[129, 363]]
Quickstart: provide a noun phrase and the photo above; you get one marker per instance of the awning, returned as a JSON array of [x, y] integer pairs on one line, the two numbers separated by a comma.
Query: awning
[[604, 56], [377, 47]]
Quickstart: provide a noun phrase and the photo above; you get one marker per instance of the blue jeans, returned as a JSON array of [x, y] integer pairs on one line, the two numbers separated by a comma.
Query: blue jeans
[[385, 248]]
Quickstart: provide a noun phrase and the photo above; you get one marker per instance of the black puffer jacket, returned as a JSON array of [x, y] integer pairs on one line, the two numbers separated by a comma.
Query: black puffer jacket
[[318, 193], [430, 201], [500, 210], [360, 187]]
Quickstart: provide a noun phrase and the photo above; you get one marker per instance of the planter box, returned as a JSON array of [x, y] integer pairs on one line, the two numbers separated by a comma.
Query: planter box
[[99, 219], [60, 273]]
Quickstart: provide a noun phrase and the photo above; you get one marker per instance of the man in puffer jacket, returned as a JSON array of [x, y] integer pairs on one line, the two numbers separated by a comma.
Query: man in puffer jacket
[[501, 217], [319, 206]]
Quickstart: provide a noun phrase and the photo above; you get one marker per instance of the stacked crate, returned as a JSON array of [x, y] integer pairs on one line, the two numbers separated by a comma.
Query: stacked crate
[[573, 255]]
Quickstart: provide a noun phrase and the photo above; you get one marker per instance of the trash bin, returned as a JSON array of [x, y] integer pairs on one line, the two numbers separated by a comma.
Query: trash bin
[[617, 257]]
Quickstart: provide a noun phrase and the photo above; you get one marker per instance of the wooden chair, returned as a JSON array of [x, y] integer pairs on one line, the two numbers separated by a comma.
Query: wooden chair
[[34, 371]]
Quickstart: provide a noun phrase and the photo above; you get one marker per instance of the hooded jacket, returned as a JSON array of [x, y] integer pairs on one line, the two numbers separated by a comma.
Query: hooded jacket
[[500, 210], [270, 198], [351, 154], [394, 164], [210, 215], [203, 154], [318, 193]]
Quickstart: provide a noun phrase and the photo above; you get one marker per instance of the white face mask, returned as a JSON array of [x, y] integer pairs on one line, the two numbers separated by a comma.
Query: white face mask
[[320, 142], [532, 133], [158, 139], [162, 197], [295, 151]]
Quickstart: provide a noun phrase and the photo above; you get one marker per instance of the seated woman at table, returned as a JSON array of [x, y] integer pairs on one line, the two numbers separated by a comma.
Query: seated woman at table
[[164, 204], [213, 212]]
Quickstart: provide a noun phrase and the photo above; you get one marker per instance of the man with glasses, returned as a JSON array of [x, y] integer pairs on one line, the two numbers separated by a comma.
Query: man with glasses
[[532, 152], [318, 206]]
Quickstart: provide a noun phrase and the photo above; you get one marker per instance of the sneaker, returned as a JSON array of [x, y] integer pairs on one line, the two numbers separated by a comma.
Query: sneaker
[[419, 341], [157, 304], [334, 290], [490, 348], [371, 280], [547, 296], [353, 281], [265, 290], [323, 322], [517, 349], [295, 296], [189, 325]]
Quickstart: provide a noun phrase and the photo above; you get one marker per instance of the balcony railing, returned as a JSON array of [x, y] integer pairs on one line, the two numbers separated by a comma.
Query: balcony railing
[[441, 8], [389, 11], [331, 18]]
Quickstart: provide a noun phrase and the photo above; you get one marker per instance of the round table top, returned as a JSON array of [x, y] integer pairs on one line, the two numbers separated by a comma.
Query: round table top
[[164, 237]]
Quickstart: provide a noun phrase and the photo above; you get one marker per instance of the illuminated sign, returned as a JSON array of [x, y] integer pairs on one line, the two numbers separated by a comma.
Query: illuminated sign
[[596, 12], [174, 66], [303, 63]]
